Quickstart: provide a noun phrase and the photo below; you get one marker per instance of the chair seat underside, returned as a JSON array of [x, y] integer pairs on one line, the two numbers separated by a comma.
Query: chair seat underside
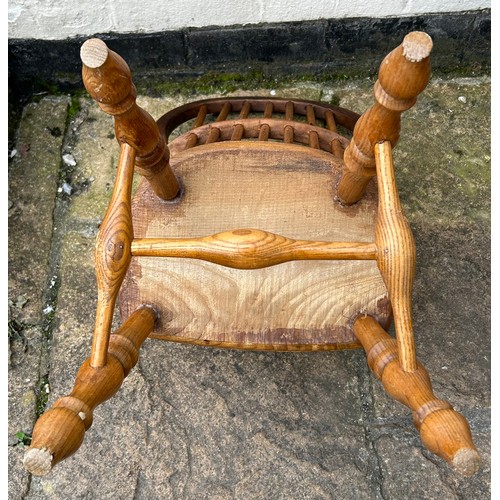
[[287, 190]]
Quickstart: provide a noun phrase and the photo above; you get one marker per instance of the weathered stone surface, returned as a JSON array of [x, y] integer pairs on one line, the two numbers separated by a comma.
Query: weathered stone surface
[[191, 422], [33, 181]]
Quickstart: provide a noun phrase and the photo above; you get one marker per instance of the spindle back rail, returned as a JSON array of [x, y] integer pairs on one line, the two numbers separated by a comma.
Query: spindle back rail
[[289, 120]]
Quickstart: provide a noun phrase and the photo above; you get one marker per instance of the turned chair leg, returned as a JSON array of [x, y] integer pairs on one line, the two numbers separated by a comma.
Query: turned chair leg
[[403, 75], [108, 80], [443, 431], [59, 432]]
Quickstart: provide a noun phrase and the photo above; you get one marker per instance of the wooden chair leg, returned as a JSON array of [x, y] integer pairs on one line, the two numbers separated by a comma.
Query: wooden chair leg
[[108, 80], [59, 432], [443, 431], [404, 73], [113, 253]]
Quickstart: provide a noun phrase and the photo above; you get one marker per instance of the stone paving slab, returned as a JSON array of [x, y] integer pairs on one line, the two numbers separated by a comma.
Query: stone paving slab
[[33, 181], [191, 422]]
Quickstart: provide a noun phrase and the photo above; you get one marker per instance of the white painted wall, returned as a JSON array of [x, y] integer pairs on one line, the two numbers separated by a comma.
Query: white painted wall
[[60, 19]]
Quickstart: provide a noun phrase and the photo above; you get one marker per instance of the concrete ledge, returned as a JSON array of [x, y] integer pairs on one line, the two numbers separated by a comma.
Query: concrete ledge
[[332, 47]]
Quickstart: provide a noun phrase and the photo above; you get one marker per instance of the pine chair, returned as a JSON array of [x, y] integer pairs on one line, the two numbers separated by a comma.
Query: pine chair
[[257, 227]]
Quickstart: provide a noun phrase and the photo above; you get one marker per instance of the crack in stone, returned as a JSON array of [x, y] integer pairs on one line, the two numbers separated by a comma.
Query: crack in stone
[[367, 416]]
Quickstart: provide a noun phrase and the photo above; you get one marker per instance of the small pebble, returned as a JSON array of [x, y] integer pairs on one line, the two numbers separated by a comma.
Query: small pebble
[[273, 92], [21, 301], [67, 188], [463, 99], [69, 160], [13, 153]]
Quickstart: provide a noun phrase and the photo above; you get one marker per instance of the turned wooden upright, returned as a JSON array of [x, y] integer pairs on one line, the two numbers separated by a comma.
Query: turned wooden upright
[[403, 74], [107, 78], [444, 431]]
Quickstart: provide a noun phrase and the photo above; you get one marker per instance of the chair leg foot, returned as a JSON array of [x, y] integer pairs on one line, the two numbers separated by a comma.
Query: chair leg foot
[[446, 433], [443, 431], [59, 432], [38, 461]]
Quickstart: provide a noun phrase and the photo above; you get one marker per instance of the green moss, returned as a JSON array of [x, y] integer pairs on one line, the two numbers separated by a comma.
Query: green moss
[[226, 82], [461, 71], [24, 439], [335, 100], [15, 329], [222, 82], [475, 175], [43, 395], [74, 107], [207, 84]]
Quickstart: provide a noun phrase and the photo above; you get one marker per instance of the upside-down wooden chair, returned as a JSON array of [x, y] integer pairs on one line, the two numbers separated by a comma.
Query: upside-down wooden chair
[[257, 228]]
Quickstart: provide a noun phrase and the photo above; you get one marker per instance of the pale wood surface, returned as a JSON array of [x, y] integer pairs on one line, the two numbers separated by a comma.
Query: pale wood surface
[[396, 254], [292, 306]]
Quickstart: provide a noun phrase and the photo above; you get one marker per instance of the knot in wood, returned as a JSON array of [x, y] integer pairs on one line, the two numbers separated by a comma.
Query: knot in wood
[[116, 250]]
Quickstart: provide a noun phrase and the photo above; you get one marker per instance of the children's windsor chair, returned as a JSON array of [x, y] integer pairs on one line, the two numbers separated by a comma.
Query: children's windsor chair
[[332, 261]]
